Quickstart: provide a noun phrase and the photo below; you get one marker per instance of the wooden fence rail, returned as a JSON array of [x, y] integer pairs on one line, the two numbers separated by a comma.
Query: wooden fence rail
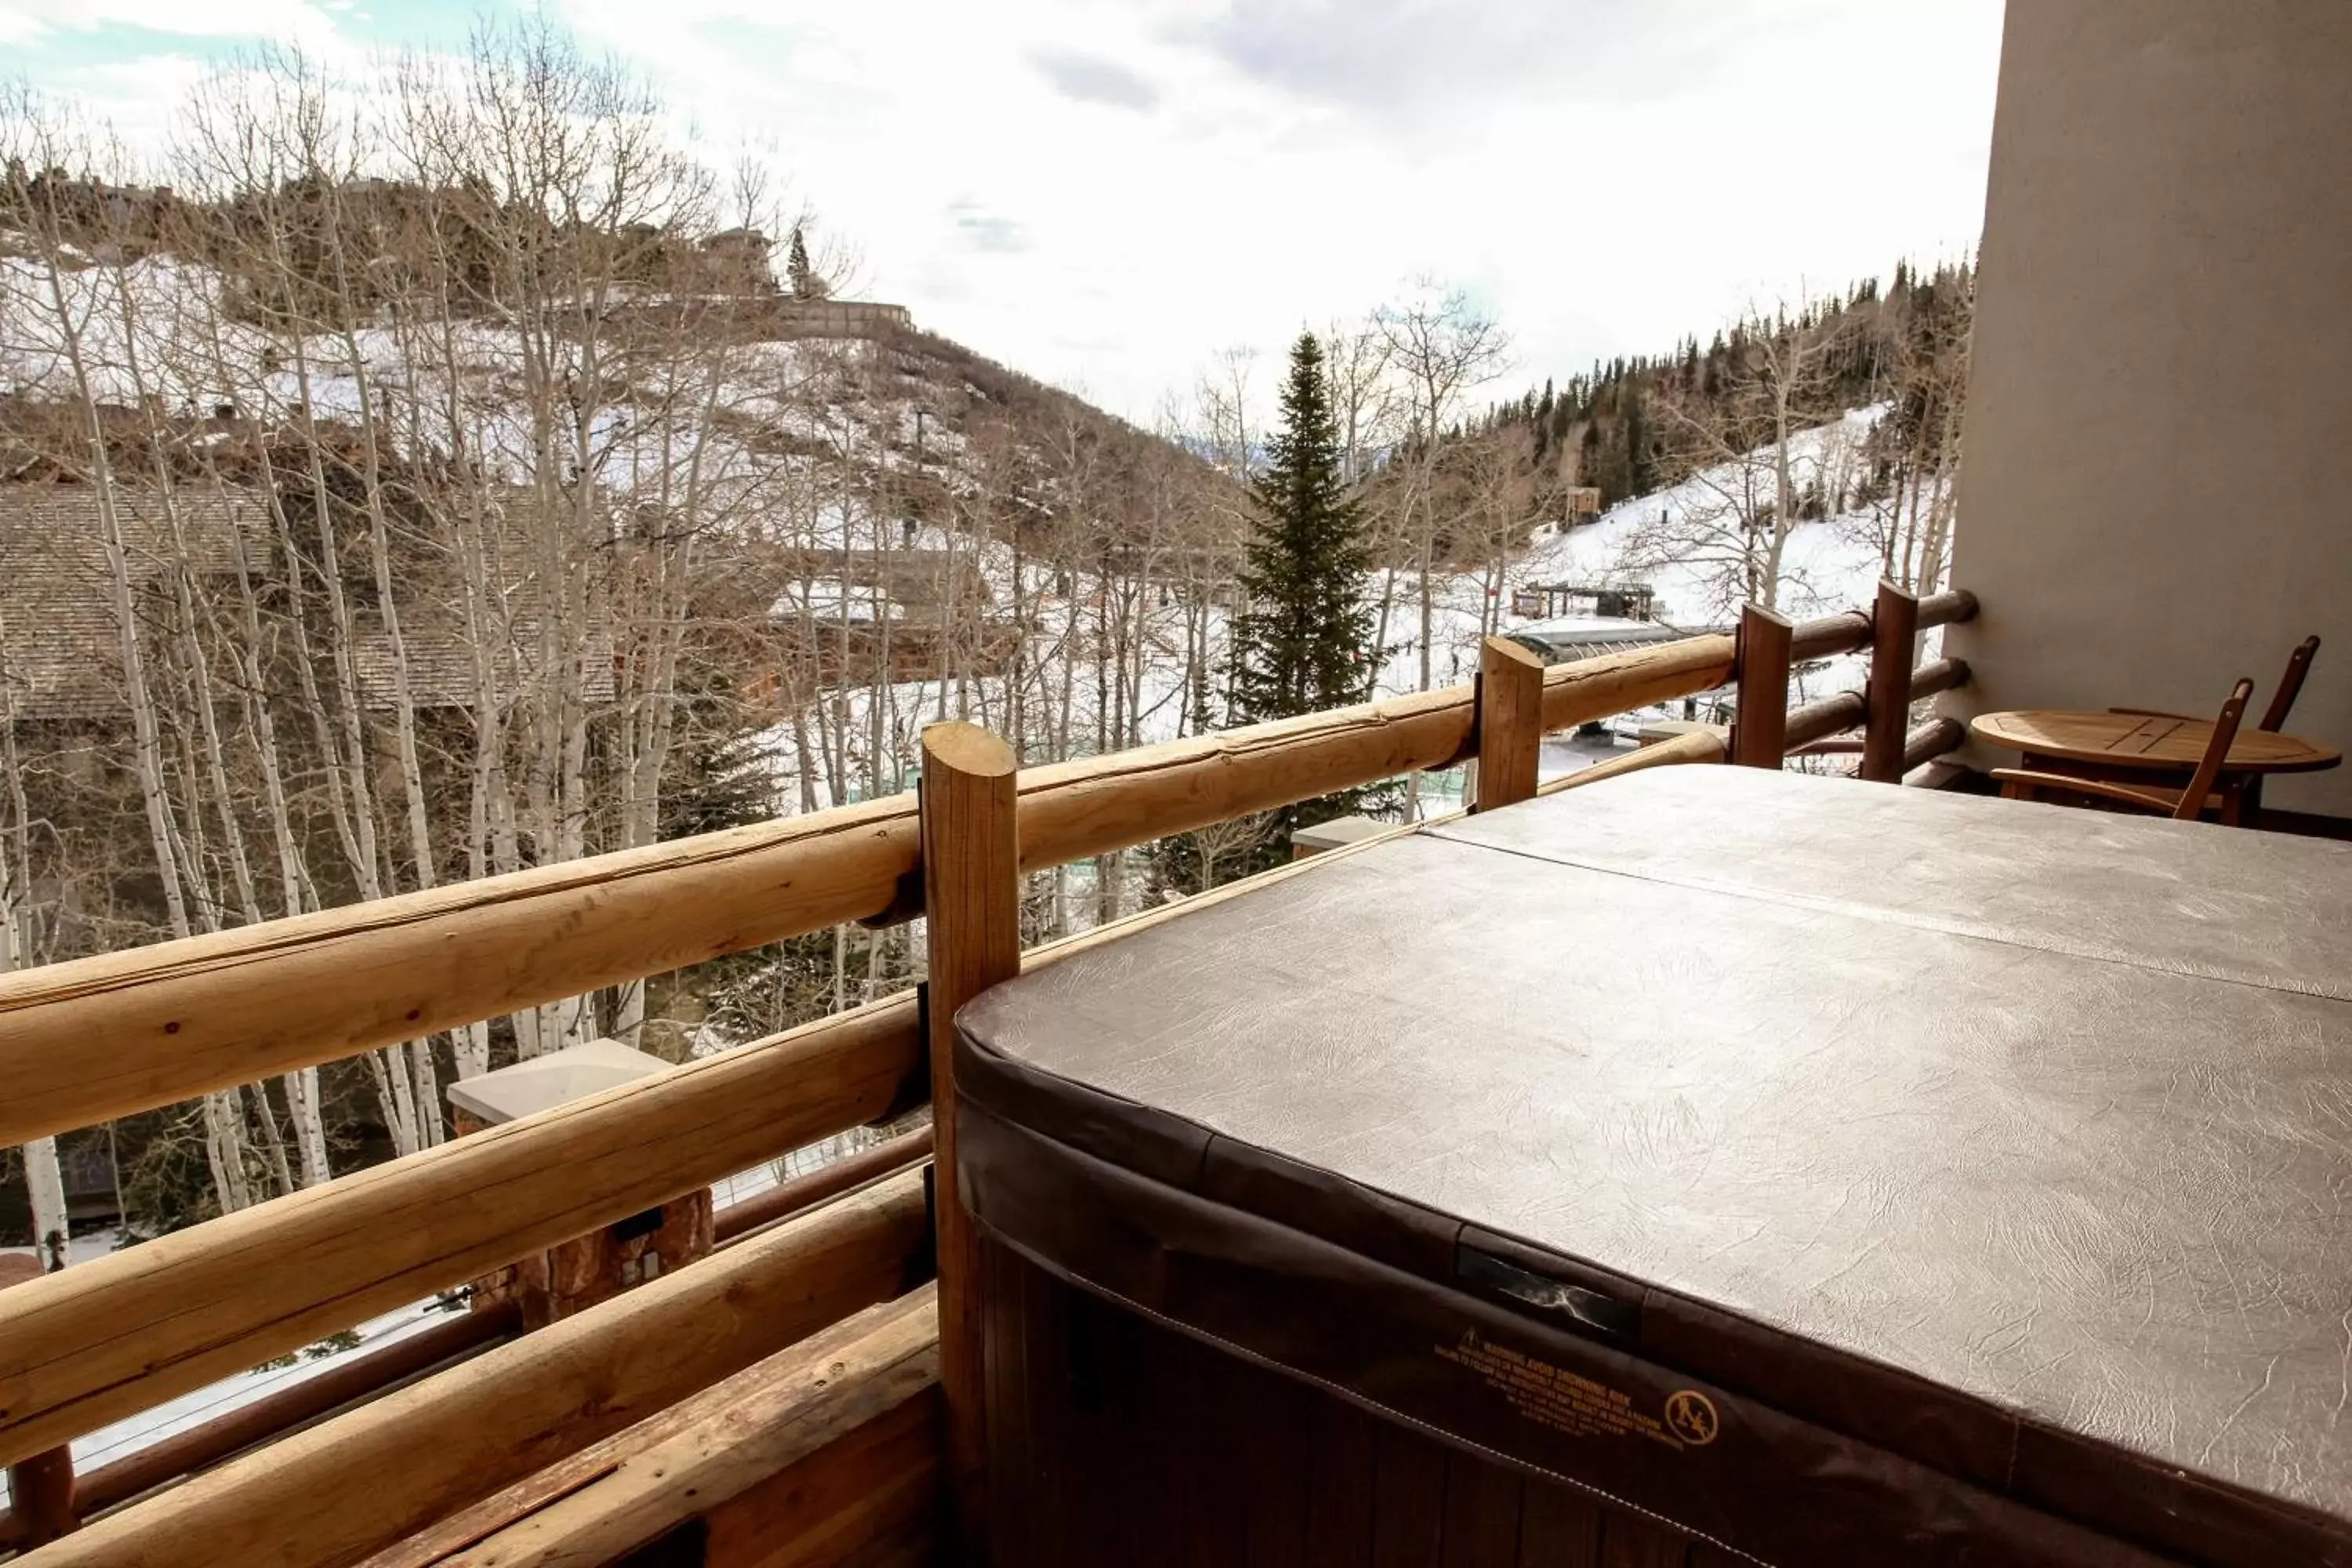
[[360, 1481], [92, 1038], [182, 1018], [112, 1336]]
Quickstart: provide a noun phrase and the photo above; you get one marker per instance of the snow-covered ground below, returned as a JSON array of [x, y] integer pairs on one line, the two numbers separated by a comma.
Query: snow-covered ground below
[[1827, 565]]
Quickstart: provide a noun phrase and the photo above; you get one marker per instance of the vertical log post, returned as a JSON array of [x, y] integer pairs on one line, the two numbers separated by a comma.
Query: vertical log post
[[971, 904], [1510, 723], [1894, 645], [1759, 725], [40, 1486], [41, 1496]]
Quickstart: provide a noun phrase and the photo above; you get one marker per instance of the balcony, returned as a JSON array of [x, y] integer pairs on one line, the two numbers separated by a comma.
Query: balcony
[[710, 1399]]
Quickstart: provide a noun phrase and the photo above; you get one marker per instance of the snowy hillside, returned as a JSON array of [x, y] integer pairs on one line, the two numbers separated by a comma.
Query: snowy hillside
[[1828, 565], [1679, 542]]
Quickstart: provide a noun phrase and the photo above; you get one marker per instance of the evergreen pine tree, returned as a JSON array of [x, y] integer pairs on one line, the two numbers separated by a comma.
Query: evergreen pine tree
[[798, 274], [1641, 462], [1305, 642]]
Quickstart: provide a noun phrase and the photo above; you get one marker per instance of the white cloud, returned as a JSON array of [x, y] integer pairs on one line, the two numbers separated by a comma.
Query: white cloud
[[1107, 192], [284, 21]]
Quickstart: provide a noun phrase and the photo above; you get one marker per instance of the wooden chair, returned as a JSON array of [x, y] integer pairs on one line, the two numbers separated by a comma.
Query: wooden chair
[[2298, 664], [2185, 806], [2290, 686]]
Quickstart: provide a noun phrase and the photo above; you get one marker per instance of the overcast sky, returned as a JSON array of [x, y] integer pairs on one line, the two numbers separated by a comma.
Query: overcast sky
[[1106, 194]]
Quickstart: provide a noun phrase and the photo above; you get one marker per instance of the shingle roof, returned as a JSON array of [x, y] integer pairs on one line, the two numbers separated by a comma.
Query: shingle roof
[[60, 644]]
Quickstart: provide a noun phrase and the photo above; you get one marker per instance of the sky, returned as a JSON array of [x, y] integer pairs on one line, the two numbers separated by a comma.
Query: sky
[[1110, 196]]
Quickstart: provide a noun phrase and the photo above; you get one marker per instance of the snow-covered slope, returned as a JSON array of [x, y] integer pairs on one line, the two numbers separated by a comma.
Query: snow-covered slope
[[1827, 566]]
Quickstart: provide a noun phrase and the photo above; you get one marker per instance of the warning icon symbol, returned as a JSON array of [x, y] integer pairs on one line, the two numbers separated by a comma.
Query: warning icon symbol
[[1690, 1415]]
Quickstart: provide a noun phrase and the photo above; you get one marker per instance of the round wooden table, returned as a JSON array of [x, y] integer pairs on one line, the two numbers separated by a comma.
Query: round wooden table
[[2141, 743]]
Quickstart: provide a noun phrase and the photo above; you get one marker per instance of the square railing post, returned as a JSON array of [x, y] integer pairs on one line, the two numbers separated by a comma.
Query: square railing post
[[1510, 723], [41, 1496], [1759, 725], [1894, 646]]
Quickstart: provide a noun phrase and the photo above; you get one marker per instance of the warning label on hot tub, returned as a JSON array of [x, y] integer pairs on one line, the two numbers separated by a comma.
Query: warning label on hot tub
[[1579, 1406]]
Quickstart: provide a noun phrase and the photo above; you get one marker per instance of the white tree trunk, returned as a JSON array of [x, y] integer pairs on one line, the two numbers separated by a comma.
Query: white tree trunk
[[52, 1242]]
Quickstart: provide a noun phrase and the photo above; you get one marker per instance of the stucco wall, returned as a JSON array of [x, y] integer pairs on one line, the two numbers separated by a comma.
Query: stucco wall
[[2157, 492]]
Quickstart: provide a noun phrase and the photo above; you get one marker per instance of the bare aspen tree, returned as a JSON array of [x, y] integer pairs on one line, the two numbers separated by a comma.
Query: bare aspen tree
[[74, 309], [1926, 383], [1736, 457], [44, 1182], [1442, 348]]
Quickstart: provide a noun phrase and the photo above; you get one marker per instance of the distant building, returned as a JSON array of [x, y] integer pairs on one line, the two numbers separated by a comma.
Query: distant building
[[844, 614], [841, 318], [1622, 601]]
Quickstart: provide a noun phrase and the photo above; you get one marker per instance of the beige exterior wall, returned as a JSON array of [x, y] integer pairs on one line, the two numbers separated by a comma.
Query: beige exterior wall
[[2157, 492]]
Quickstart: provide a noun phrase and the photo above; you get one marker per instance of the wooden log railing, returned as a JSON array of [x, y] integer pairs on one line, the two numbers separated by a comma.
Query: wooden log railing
[[1935, 738], [972, 889], [110, 1337], [84, 1347], [353, 1380], [183, 1018], [338, 1491], [821, 1186], [356, 1378], [1894, 646], [863, 1377]]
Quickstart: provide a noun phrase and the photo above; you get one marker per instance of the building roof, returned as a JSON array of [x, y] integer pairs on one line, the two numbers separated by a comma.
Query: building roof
[[914, 578], [441, 671], [1570, 638], [556, 1078], [60, 644]]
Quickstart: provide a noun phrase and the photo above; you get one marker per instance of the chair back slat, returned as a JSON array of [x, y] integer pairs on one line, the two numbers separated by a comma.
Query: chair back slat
[[2217, 751], [2298, 664]]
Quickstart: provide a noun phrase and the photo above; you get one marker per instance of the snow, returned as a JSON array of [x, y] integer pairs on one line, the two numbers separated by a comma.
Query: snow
[[1596, 626], [210, 1402], [1827, 565]]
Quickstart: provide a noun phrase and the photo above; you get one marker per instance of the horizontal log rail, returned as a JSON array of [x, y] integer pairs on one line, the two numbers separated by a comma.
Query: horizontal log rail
[[112, 1336], [817, 1397], [821, 1186], [355, 1483], [108, 1338], [1932, 740], [352, 1379], [182, 1018], [1820, 720], [1849, 631], [1820, 729], [1699, 746], [481, 1522], [116, 1336]]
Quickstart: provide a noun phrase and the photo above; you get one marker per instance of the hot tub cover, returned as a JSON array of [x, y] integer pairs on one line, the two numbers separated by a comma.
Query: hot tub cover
[[1840, 1173]]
